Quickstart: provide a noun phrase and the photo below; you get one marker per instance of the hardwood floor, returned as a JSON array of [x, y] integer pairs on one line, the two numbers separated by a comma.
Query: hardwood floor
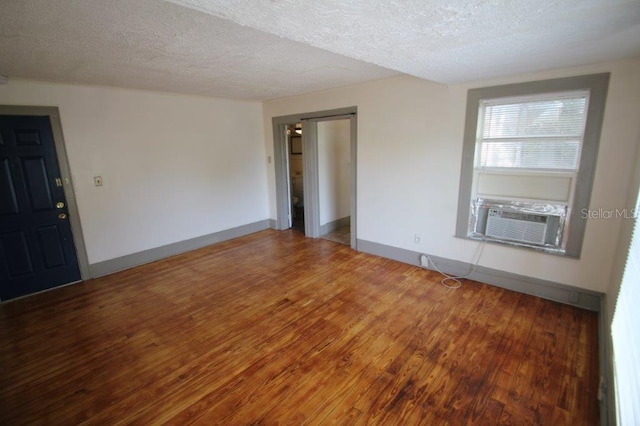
[[278, 328], [340, 235]]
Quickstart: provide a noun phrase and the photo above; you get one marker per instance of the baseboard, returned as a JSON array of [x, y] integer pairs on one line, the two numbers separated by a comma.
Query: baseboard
[[136, 259], [550, 290], [336, 224], [273, 224]]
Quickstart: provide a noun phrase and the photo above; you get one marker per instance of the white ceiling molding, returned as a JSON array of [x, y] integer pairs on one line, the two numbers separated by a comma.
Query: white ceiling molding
[[263, 49]]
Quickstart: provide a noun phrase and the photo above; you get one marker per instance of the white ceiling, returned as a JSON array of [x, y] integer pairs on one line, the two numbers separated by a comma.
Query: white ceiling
[[261, 49]]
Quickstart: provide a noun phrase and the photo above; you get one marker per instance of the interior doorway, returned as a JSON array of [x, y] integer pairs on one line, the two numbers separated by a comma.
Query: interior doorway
[[296, 176], [316, 222]]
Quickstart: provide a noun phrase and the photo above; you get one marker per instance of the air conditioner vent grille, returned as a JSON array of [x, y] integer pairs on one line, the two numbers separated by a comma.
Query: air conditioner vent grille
[[514, 226]]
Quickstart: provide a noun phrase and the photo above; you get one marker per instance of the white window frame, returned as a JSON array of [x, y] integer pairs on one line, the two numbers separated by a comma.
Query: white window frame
[[582, 181]]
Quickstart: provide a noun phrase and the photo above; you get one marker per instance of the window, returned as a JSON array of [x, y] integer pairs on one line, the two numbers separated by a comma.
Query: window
[[528, 162], [532, 132]]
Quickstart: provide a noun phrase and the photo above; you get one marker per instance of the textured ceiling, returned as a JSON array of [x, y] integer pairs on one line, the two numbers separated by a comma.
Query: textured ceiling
[[449, 41], [261, 49], [155, 45]]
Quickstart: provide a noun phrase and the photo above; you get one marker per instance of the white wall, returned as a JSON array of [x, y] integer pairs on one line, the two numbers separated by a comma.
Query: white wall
[[174, 167], [334, 139], [409, 154]]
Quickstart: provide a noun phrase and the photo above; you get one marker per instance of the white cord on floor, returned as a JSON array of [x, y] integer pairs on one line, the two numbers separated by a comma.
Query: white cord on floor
[[448, 277]]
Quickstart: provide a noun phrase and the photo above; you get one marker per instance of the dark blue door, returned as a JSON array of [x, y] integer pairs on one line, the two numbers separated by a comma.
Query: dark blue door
[[36, 246]]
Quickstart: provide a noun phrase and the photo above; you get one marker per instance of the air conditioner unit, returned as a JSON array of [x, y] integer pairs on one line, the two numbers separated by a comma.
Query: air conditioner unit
[[515, 226]]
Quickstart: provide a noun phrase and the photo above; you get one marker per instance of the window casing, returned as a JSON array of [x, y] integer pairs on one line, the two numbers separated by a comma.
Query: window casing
[[531, 148]]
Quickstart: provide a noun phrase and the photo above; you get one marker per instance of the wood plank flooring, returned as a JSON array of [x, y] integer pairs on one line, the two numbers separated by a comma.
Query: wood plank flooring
[[340, 235], [275, 328]]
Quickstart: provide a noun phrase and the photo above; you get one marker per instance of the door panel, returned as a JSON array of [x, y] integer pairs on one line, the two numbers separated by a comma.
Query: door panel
[[51, 246], [27, 137], [35, 175], [36, 245], [15, 247], [8, 201]]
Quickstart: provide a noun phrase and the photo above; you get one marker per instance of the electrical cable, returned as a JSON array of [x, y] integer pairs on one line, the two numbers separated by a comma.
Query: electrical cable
[[448, 277]]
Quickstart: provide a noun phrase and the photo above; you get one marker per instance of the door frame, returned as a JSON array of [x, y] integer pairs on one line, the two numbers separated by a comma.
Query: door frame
[[65, 174], [310, 163]]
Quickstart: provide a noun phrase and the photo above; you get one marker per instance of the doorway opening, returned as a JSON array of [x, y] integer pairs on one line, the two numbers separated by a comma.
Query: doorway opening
[[296, 176], [327, 179]]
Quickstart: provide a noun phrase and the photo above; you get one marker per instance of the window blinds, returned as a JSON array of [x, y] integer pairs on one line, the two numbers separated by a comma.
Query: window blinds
[[626, 337], [533, 132]]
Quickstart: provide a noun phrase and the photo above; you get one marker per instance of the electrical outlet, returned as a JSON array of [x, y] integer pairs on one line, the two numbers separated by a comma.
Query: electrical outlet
[[416, 238], [424, 261], [97, 180]]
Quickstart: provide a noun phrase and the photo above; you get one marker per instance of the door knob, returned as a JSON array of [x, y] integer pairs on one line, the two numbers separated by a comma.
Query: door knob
[[62, 216]]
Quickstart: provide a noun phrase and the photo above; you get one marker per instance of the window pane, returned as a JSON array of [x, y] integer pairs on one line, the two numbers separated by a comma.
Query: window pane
[[546, 118], [532, 154], [531, 132]]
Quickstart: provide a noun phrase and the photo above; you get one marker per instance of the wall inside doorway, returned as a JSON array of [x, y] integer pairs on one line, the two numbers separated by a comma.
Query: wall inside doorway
[[333, 170]]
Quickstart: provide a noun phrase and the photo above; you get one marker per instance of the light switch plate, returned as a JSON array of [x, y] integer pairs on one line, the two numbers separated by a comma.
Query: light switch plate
[[97, 180]]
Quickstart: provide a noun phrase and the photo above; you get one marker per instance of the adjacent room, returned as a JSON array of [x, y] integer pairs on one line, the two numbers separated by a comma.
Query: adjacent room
[[316, 212]]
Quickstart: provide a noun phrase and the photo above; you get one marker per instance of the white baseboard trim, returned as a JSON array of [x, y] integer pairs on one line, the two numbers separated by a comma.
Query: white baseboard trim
[[550, 290], [147, 256]]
